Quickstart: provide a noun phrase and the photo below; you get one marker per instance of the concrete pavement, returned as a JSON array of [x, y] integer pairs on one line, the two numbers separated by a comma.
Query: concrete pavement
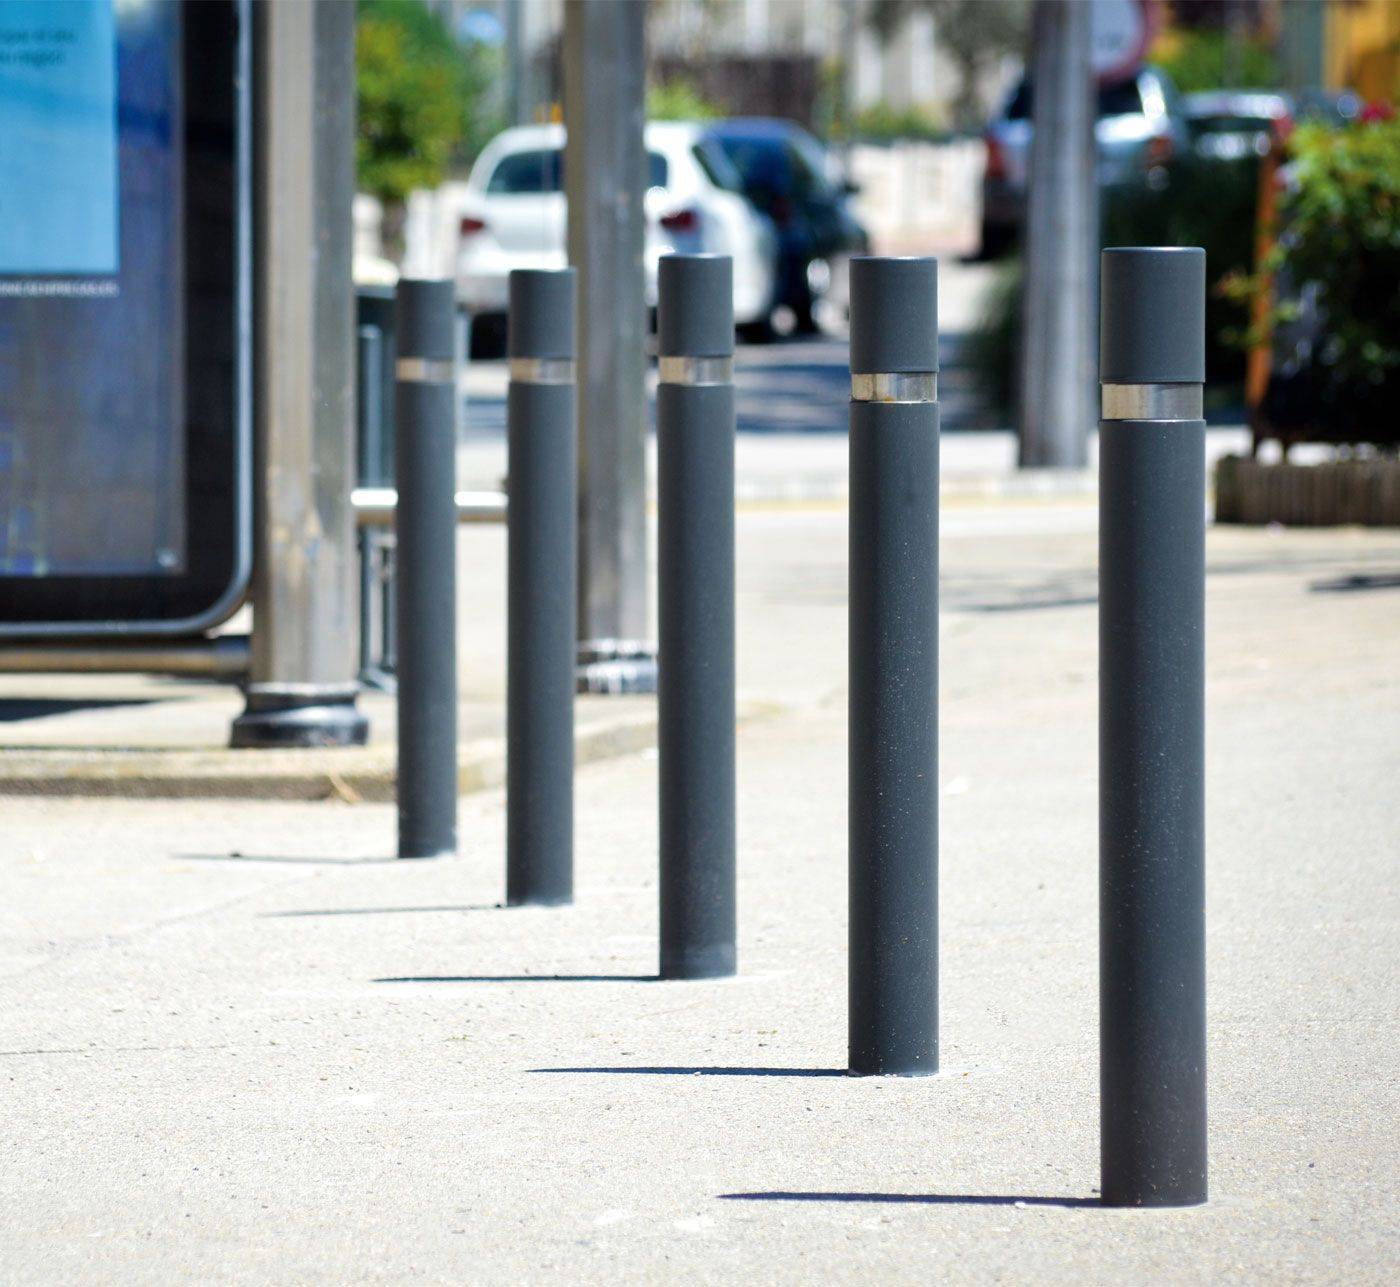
[[239, 1044]]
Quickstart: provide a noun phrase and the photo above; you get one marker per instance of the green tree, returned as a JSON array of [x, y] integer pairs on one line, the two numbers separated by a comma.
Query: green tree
[[421, 99]]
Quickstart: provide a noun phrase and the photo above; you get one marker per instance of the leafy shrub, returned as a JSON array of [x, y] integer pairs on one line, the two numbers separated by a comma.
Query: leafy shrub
[[1338, 258], [1203, 58], [881, 123], [679, 100]]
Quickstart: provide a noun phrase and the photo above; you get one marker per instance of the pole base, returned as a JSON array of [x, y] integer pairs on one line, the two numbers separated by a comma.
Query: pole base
[[616, 666], [300, 715], [699, 963]]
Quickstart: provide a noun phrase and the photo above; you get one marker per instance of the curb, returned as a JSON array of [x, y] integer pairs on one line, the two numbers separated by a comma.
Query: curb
[[353, 775]]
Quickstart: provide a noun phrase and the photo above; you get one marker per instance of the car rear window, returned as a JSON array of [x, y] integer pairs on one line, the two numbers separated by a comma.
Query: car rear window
[[760, 162], [542, 170], [523, 173], [710, 157], [1123, 99]]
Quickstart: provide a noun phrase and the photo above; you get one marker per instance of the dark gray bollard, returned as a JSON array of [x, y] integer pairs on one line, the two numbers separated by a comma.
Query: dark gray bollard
[[894, 667], [542, 420], [425, 465], [695, 610], [1151, 728]]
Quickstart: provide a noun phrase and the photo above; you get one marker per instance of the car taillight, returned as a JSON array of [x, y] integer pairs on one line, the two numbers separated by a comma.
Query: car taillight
[[681, 221], [470, 226], [996, 158], [1159, 151]]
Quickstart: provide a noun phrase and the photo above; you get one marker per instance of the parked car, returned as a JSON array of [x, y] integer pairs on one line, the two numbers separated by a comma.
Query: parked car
[[784, 173], [1139, 130], [514, 215], [1232, 125]]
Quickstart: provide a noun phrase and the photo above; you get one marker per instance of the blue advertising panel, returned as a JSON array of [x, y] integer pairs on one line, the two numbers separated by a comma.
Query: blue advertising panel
[[122, 444], [58, 149]]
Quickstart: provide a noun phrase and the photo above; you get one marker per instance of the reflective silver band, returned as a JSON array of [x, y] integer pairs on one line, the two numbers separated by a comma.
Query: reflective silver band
[[417, 370], [526, 370], [1151, 402], [696, 370], [895, 386]]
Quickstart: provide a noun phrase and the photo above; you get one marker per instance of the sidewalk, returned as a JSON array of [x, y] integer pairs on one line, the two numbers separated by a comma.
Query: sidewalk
[[244, 1045]]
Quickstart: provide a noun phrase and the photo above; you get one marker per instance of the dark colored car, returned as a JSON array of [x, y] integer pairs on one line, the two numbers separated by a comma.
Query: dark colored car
[[1232, 125], [1138, 132], [783, 172]]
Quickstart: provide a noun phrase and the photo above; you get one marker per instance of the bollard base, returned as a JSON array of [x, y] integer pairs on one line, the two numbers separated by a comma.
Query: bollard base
[[300, 715], [416, 855], [1153, 1201], [702, 963], [612, 667], [567, 901], [891, 1072]]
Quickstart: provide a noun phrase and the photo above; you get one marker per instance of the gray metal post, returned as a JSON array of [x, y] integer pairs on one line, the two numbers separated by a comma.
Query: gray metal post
[[370, 420], [893, 786], [695, 602], [425, 465], [1057, 352], [302, 689], [542, 419], [1151, 728], [605, 177]]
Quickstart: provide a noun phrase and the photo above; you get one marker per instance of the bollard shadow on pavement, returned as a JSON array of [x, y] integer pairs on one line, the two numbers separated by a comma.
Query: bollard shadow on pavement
[[382, 911], [299, 859], [524, 978], [706, 1071], [916, 1199]]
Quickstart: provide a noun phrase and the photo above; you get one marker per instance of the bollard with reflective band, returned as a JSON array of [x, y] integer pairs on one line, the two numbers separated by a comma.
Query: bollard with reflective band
[[542, 417], [425, 462], [1151, 728], [893, 887], [695, 611]]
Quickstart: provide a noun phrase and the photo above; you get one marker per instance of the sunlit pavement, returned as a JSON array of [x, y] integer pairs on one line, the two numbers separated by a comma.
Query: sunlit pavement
[[238, 1042]]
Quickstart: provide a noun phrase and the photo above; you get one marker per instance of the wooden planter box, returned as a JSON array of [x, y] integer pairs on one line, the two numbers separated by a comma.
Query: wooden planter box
[[1364, 492]]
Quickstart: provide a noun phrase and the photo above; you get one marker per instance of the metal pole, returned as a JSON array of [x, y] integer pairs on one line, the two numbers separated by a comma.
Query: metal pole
[[695, 602], [370, 421], [219, 657], [303, 690], [1151, 728], [893, 716], [425, 463], [605, 178], [542, 419], [1057, 352]]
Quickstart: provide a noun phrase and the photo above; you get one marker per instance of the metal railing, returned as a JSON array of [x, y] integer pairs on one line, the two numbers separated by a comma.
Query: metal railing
[[375, 498]]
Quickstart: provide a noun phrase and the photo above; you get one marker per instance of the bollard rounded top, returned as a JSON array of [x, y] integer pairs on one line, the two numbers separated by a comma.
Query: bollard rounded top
[[695, 306], [541, 322], [1152, 315], [894, 314], [425, 320]]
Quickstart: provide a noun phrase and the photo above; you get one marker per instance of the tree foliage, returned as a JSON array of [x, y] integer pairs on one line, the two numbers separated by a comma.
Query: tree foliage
[[421, 98]]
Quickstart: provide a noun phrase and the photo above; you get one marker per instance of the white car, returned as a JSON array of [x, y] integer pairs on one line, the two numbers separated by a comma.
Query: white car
[[513, 215]]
